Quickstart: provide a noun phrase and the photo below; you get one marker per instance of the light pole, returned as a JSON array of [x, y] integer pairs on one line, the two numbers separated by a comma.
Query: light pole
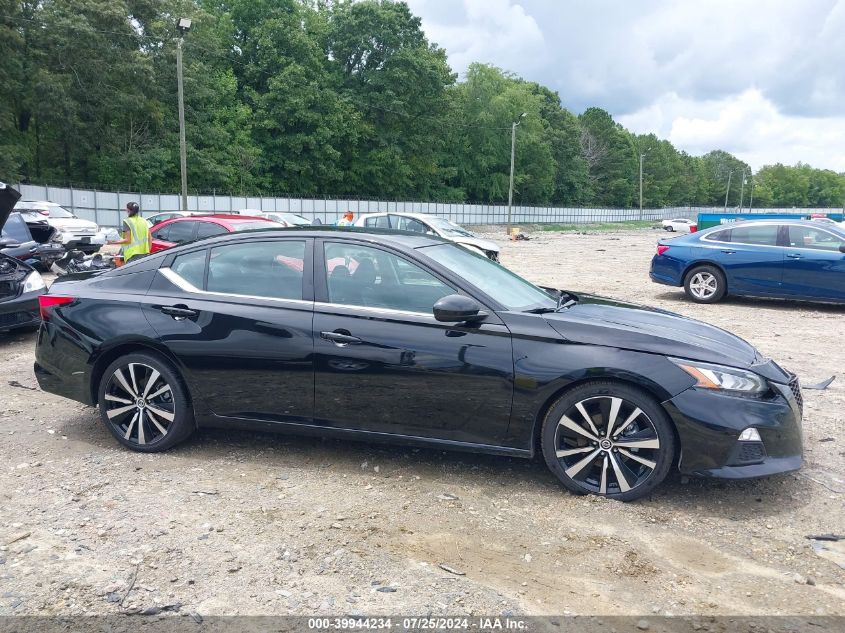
[[742, 189], [751, 200], [730, 175], [513, 153], [184, 25]]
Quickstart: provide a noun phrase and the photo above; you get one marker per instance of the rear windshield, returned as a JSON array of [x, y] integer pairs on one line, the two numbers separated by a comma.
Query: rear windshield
[[16, 229]]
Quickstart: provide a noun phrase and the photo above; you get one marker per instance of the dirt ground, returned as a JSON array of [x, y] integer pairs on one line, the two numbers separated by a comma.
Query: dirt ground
[[248, 523]]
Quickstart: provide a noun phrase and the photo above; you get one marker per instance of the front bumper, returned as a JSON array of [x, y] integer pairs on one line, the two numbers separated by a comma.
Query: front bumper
[[22, 311], [709, 424]]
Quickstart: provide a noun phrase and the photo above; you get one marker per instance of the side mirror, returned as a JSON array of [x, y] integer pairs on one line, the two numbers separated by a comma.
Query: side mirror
[[842, 249], [8, 242], [457, 308]]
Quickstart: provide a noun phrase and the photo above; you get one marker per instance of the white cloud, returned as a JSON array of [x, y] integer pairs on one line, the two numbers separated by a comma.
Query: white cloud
[[490, 31], [763, 78], [748, 125]]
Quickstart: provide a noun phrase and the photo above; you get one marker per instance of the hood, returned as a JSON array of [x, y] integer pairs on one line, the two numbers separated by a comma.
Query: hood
[[600, 321], [478, 242], [8, 199], [73, 223]]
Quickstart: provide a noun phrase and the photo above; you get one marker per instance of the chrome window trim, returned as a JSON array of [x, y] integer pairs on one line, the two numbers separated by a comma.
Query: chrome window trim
[[185, 285], [372, 310]]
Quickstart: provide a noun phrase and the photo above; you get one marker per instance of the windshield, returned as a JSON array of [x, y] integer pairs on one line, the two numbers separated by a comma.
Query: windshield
[[250, 226], [448, 228], [290, 218], [53, 210], [507, 288]]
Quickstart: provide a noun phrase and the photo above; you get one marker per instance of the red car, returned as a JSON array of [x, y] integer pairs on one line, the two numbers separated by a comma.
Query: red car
[[176, 231]]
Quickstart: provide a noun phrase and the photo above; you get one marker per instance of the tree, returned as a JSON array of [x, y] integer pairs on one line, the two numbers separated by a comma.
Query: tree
[[610, 153]]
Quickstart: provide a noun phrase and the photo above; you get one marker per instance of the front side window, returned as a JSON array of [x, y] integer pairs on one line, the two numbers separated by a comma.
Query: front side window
[[507, 288], [210, 229], [271, 269], [180, 232], [763, 235], [806, 237], [370, 277], [378, 222], [404, 223]]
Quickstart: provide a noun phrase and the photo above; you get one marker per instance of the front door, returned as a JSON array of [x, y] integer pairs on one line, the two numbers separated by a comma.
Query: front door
[[239, 317], [384, 364], [753, 259], [814, 266]]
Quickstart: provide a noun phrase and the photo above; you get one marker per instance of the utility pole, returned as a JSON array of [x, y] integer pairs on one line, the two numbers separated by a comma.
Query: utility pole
[[741, 191], [642, 156], [513, 154], [730, 175], [751, 200], [184, 25]]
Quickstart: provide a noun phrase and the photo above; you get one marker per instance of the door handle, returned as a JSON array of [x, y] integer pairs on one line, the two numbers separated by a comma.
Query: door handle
[[794, 256], [728, 252], [341, 338], [179, 312]]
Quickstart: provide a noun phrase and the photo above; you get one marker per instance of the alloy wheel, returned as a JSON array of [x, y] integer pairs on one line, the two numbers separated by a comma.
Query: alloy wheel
[[704, 285], [607, 445], [139, 403]]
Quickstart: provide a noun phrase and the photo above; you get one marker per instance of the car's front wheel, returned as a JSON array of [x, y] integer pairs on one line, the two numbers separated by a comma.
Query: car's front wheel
[[608, 439], [705, 284], [144, 404]]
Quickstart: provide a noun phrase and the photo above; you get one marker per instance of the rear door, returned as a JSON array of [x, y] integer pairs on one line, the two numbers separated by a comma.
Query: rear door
[[238, 316], [814, 266], [751, 256]]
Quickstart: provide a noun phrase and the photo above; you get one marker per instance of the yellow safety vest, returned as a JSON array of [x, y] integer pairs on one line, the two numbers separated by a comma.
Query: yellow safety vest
[[140, 237]]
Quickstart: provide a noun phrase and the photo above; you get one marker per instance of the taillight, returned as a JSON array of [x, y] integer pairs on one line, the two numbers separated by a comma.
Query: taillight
[[44, 212], [45, 302], [661, 248], [693, 228]]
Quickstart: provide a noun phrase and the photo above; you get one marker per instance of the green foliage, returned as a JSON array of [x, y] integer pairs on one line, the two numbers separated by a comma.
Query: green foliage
[[320, 97]]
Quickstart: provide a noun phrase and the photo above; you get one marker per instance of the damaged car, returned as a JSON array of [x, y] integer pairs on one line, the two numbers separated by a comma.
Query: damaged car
[[38, 243], [20, 283]]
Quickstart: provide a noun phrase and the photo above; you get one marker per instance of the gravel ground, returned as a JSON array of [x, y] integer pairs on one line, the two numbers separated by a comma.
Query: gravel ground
[[248, 523]]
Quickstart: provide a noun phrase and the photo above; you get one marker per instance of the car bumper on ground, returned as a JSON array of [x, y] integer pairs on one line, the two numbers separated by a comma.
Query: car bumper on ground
[[22, 311], [709, 425]]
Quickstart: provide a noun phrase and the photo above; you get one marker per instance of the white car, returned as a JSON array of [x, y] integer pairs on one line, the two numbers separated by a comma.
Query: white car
[[77, 233], [430, 225], [158, 218], [680, 225], [282, 217]]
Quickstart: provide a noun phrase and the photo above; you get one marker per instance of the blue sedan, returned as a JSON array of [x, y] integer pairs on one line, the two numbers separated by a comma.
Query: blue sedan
[[780, 259]]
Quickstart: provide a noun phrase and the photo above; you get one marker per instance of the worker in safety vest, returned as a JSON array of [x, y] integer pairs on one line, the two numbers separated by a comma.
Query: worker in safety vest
[[347, 219], [136, 234]]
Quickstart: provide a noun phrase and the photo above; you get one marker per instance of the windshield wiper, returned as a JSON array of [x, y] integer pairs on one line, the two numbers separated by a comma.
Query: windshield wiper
[[564, 302]]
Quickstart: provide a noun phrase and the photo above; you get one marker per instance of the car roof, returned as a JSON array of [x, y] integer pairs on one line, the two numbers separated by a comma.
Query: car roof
[[813, 224], [410, 214], [224, 217]]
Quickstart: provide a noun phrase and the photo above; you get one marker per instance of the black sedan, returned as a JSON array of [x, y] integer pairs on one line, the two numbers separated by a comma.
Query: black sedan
[[411, 339]]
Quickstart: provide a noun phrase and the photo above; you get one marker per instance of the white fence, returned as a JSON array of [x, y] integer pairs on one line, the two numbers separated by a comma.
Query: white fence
[[106, 208]]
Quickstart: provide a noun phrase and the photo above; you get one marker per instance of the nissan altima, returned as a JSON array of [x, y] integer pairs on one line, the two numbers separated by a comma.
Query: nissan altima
[[412, 339]]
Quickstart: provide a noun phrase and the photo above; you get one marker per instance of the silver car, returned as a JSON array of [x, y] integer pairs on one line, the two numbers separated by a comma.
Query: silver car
[[430, 225]]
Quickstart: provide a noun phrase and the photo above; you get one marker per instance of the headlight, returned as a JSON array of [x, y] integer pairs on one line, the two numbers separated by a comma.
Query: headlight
[[34, 282], [709, 376]]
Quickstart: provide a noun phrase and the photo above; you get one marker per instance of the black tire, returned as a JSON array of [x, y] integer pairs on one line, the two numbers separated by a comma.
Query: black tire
[[705, 284], [671, 229], [612, 467], [127, 398]]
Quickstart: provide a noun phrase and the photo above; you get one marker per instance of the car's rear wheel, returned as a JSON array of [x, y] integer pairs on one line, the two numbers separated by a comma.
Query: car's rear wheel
[[705, 284], [144, 403], [608, 439]]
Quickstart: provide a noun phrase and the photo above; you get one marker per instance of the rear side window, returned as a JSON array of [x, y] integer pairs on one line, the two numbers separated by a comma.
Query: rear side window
[[162, 234], [16, 228], [764, 235], [259, 269], [190, 267], [210, 229], [720, 236]]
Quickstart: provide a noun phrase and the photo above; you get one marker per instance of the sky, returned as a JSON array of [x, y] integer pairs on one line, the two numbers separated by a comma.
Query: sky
[[762, 79]]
